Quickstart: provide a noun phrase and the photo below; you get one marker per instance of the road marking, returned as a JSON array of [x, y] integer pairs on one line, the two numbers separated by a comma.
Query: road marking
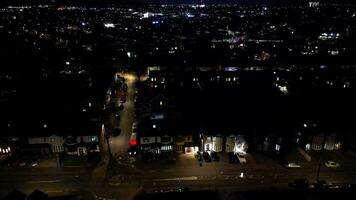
[[50, 181], [189, 178]]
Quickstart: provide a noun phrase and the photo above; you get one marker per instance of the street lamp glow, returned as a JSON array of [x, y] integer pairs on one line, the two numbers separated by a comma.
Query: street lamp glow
[[154, 126]]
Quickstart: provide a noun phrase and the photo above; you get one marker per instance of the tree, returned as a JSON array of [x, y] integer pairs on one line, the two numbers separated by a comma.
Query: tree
[[111, 132]]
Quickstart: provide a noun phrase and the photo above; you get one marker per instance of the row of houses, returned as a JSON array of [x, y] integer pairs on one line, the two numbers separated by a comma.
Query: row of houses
[[48, 141], [72, 145], [319, 142], [191, 143]]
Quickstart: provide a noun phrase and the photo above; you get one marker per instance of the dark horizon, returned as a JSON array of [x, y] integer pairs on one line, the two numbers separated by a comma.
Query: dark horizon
[[118, 2]]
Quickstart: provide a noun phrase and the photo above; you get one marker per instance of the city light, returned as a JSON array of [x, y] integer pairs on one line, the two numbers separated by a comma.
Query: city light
[[109, 25], [123, 99]]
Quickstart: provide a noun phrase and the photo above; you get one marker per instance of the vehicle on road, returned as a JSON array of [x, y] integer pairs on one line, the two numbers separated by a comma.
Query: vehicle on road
[[117, 116], [132, 152], [134, 125], [332, 164], [293, 165], [121, 107], [206, 156], [22, 163], [241, 158]]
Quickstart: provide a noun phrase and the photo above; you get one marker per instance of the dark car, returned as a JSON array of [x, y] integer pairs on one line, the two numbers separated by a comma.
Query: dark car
[[320, 184], [232, 157], [301, 183], [199, 156], [148, 157], [121, 107], [214, 156], [117, 116], [206, 156]]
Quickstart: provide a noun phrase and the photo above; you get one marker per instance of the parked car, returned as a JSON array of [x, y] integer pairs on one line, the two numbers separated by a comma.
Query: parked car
[[134, 131], [293, 165], [320, 184], [241, 158], [117, 116], [134, 125], [232, 157], [148, 157], [22, 163], [206, 156], [332, 164], [214, 156], [34, 163], [301, 183]]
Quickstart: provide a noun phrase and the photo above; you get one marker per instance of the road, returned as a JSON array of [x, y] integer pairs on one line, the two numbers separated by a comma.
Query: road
[[119, 144], [209, 176]]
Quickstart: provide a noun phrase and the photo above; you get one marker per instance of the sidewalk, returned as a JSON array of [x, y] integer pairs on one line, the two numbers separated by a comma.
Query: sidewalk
[[99, 173]]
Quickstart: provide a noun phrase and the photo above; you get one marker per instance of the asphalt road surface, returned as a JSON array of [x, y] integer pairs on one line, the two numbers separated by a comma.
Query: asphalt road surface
[[224, 176], [119, 144]]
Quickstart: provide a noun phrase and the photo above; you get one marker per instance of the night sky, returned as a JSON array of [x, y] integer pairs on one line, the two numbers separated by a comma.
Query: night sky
[[104, 2]]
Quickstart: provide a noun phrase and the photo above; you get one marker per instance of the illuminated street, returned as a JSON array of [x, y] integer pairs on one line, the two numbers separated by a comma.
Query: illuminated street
[[210, 176], [120, 144]]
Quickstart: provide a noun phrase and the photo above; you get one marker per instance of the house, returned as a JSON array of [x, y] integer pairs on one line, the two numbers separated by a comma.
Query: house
[[185, 144], [235, 144], [213, 143], [78, 142], [5, 150], [153, 136], [150, 143], [318, 142], [230, 143]]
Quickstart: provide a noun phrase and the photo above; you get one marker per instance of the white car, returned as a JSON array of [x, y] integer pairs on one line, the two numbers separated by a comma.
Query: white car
[[332, 164], [241, 158], [293, 165], [134, 125]]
